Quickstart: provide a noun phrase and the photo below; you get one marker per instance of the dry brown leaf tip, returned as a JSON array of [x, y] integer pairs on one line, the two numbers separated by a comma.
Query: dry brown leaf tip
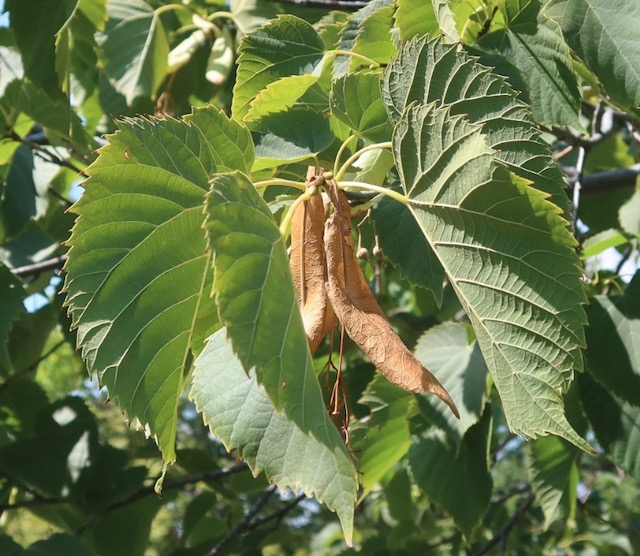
[[359, 312]]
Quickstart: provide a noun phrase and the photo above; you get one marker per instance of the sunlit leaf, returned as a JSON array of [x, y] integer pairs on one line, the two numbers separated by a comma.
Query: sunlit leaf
[[138, 235], [523, 296], [287, 47], [416, 18], [602, 241], [603, 34], [355, 100], [531, 52], [367, 33], [423, 72], [239, 411]]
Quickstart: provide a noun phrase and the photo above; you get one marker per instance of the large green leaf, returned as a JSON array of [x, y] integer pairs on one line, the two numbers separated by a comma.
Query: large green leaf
[[415, 18], [11, 295], [458, 480], [257, 303], [603, 34], [239, 411], [615, 423], [613, 337], [355, 100], [508, 255], [531, 52], [553, 472], [367, 32], [135, 49], [451, 353], [287, 47], [428, 71], [138, 264]]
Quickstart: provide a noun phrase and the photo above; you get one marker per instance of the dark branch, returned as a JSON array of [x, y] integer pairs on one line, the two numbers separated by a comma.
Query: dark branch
[[37, 268], [602, 182], [502, 535], [245, 523]]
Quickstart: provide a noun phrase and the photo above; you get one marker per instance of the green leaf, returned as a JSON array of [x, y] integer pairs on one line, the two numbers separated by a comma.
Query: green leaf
[[135, 49], [416, 18], [10, 60], [250, 15], [59, 544], [355, 100], [257, 303], [629, 214], [509, 257], [138, 234], [423, 72], [602, 241], [35, 24], [615, 423], [603, 34], [279, 96], [386, 437], [370, 167], [457, 480], [285, 47], [290, 137], [451, 353], [406, 247], [532, 54], [367, 32], [239, 411], [553, 472], [446, 20], [613, 339], [11, 295]]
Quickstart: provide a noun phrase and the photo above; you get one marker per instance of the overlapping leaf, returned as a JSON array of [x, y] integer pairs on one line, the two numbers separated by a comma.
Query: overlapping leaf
[[458, 480], [603, 34], [135, 48], [287, 47], [509, 257], [11, 295], [366, 32], [138, 264], [427, 71], [240, 412], [531, 52]]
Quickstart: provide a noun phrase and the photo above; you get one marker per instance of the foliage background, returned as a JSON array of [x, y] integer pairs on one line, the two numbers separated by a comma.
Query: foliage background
[[76, 479]]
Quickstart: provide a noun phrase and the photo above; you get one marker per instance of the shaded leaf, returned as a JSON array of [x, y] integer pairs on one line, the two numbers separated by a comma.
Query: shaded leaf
[[10, 60], [423, 72], [553, 472], [453, 354], [290, 136], [616, 424], [35, 24], [240, 411], [279, 96], [457, 480], [11, 295], [285, 47], [602, 33], [135, 49], [406, 247], [367, 32], [629, 214], [509, 257], [139, 234], [530, 51], [386, 440], [613, 339], [355, 100]]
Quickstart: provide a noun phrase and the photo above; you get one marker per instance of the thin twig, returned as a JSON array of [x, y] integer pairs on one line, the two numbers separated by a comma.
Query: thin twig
[[244, 523], [501, 536], [279, 515], [208, 477], [31, 367], [37, 268], [577, 185]]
